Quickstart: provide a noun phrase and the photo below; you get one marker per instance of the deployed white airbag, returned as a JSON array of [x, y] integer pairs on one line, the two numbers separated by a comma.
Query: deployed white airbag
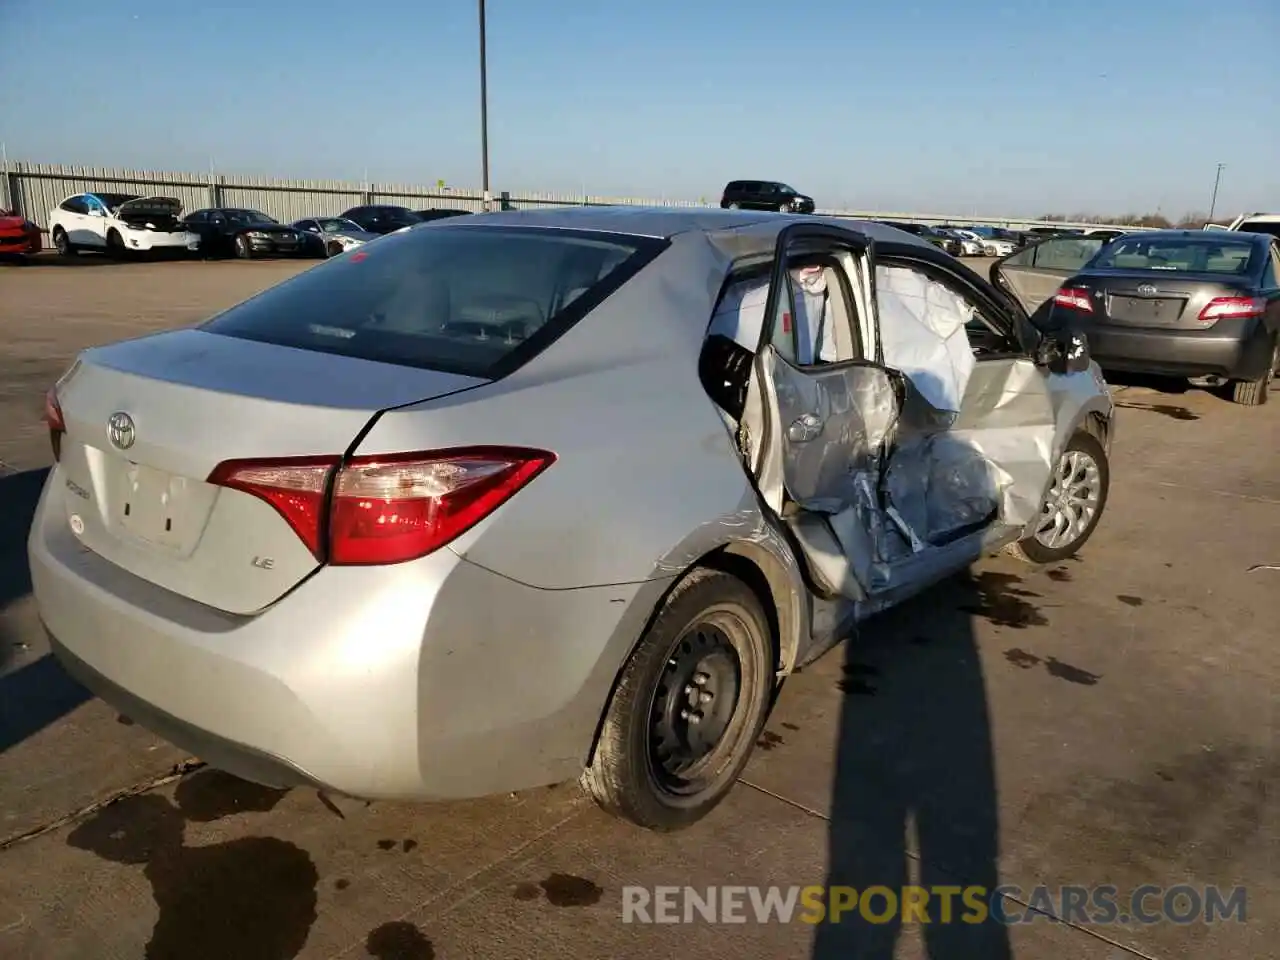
[[922, 333]]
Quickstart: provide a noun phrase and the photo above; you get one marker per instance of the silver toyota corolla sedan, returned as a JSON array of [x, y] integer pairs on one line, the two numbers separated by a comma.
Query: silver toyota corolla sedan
[[534, 496]]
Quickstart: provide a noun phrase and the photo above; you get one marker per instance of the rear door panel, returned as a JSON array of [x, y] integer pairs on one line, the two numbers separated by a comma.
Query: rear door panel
[[814, 435], [1033, 274]]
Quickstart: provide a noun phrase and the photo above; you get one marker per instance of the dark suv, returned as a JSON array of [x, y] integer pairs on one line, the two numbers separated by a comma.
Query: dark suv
[[764, 195]]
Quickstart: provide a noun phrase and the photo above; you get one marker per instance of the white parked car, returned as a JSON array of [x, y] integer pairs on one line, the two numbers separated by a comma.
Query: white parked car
[[1256, 223], [974, 244], [119, 223], [997, 247], [339, 234]]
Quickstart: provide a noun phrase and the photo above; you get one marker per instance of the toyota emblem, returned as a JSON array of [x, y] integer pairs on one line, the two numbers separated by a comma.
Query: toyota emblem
[[1146, 289], [120, 430]]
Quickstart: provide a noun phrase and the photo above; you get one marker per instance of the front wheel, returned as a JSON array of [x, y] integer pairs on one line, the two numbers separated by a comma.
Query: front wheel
[[1074, 504], [333, 249], [1253, 393], [115, 245], [688, 706], [242, 248]]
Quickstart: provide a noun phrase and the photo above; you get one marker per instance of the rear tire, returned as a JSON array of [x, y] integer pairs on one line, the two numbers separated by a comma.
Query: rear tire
[[708, 659], [1092, 469], [1254, 393], [735, 206], [62, 243]]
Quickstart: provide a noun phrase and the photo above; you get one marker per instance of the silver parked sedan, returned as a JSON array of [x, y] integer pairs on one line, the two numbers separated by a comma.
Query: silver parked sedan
[[542, 495]]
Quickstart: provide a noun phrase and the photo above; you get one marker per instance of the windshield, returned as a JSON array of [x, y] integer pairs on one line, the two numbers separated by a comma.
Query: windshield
[[459, 299], [339, 225], [247, 216], [1208, 254], [113, 200]]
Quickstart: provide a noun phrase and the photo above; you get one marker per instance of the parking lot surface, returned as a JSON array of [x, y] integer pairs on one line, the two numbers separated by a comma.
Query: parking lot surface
[[1109, 720]]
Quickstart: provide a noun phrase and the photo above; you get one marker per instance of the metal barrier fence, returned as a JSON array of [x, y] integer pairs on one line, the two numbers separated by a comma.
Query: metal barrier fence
[[33, 189]]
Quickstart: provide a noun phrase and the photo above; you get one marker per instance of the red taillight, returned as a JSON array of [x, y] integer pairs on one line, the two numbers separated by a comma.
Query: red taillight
[[53, 419], [385, 509], [296, 487], [390, 509], [1073, 298], [1231, 308]]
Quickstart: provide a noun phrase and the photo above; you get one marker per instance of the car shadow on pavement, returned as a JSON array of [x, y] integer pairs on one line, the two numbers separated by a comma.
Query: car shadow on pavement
[[36, 694], [914, 801]]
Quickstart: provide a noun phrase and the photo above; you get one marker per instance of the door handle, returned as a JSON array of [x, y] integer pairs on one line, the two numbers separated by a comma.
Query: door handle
[[805, 428]]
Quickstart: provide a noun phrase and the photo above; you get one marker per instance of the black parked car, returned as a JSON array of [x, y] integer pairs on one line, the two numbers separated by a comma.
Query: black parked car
[[764, 195], [381, 218], [1204, 305], [234, 231], [439, 213]]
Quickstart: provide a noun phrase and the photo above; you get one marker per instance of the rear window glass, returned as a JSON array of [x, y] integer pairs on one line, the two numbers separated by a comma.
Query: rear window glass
[[478, 301], [1212, 254]]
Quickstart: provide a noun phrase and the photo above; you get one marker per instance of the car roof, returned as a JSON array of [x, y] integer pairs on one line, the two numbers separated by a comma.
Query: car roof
[[669, 222]]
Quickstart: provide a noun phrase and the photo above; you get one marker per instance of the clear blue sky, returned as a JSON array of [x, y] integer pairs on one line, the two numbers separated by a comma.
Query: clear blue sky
[[991, 106]]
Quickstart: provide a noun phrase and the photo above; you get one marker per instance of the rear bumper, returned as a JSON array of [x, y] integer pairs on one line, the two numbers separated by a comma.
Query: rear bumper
[[427, 680], [1236, 350]]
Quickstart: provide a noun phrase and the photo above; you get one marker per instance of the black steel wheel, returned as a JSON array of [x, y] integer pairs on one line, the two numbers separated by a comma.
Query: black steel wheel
[[688, 706]]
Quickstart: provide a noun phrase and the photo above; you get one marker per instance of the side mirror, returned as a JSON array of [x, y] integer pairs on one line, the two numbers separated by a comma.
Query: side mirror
[[1065, 351]]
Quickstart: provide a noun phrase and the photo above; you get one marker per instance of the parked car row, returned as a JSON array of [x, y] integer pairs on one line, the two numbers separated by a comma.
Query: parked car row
[[972, 241], [120, 224]]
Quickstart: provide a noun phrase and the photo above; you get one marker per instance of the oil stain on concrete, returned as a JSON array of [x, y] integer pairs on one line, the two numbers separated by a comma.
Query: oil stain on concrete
[[399, 940], [1169, 410], [561, 890], [1056, 668], [253, 898], [857, 679], [1002, 601]]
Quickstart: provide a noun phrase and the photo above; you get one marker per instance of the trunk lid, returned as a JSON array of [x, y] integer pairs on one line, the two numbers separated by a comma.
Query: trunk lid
[[1145, 298], [180, 403]]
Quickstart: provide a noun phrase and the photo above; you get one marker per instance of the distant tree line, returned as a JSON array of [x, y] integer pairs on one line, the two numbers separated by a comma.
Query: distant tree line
[[1188, 221]]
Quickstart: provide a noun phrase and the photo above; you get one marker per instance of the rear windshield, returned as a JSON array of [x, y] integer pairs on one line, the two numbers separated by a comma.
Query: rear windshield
[[478, 301], [1209, 254]]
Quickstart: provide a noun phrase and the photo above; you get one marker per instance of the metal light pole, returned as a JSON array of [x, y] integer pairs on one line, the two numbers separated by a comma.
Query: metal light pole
[[484, 114], [1216, 179]]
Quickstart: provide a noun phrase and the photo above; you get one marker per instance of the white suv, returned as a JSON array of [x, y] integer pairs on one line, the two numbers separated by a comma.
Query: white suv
[[1254, 223], [119, 223]]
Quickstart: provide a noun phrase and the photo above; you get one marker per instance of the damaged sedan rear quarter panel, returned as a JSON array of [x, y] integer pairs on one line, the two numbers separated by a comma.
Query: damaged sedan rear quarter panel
[[649, 478]]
